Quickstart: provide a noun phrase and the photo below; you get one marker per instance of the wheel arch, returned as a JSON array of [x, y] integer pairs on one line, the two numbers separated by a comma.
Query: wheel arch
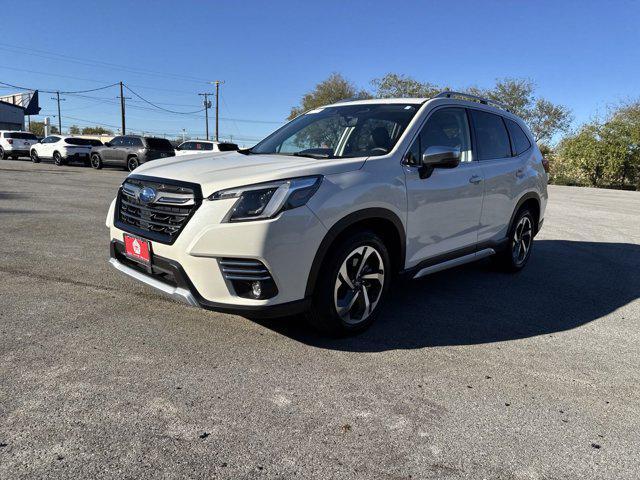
[[532, 200], [382, 221]]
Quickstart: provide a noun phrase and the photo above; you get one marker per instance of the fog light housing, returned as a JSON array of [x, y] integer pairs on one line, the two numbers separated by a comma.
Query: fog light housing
[[249, 278]]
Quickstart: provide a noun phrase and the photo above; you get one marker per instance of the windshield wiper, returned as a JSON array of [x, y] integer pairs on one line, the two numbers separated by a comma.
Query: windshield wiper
[[310, 155]]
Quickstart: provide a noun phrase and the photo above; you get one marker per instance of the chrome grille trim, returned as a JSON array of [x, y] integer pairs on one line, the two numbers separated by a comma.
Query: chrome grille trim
[[165, 216]]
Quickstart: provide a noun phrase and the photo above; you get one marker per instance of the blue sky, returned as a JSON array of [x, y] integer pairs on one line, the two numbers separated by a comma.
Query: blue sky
[[583, 54]]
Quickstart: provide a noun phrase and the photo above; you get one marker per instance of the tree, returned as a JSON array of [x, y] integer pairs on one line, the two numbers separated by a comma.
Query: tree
[[605, 152], [96, 131], [330, 90], [74, 130], [395, 85], [544, 118], [37, 128], [54, 130]]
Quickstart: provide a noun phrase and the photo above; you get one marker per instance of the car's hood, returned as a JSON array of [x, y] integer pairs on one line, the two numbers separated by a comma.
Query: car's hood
[[216, 171]]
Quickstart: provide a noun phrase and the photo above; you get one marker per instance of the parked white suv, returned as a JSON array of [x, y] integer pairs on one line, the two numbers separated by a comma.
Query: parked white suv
[[320, 215], [15, 144], [203, 146], [63, 149]]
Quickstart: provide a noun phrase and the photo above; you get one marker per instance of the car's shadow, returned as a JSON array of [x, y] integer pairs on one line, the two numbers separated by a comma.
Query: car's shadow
[[566, 284]]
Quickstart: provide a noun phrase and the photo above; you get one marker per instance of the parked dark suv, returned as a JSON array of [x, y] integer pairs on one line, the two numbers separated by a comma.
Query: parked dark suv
[[129, 151]]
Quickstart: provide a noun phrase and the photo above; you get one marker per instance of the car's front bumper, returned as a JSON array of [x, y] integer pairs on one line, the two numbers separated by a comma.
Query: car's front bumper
[[191, 271], [169, 277]]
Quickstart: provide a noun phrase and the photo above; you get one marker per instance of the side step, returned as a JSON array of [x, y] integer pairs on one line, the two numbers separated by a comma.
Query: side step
[[472, 257]]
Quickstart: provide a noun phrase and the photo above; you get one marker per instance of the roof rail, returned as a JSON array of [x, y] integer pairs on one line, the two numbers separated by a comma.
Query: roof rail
[[482, 100]]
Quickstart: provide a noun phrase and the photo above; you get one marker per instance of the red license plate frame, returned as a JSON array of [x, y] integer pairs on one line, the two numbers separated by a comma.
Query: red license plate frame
[[137, 249]]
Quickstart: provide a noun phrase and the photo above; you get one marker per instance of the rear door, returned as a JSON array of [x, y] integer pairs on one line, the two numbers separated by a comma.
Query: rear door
[[109, 154], [500, 169], [444, 209]]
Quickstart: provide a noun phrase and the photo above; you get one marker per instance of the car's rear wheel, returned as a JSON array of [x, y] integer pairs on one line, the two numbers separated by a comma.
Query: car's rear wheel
[[3, 155], [34, 157], [96, 161], [351, 286], [520, 244], [57, 159], [132, 163]]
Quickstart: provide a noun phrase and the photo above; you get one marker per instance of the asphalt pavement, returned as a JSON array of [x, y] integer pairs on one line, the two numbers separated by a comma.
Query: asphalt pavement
[[468, 373]]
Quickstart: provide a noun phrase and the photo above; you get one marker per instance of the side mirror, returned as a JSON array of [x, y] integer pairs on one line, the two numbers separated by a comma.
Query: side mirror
[[107, 144], [439, 157]]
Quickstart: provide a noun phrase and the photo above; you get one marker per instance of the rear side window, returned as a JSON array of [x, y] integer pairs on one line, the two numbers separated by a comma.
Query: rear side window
[[132, 142], [227, 147], [491, 136], [200, 146], [83, 141], [21, 136], [158, 143], [519, 139]]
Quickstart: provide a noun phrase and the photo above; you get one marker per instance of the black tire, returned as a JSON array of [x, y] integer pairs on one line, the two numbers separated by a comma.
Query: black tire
[[96, 161], [34, 157], [132, 163], [57, 159], [3, 155], [332, 289], [515, 257]]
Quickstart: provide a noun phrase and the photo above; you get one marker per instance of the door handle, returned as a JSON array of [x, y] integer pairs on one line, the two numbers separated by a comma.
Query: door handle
[[475, 179]]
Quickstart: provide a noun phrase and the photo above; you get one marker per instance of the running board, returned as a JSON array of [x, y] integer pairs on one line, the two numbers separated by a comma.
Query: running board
[[472, 257]]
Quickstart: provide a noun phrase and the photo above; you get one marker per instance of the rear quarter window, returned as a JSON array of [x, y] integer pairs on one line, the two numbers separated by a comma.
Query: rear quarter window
[[492, 139], [158, 144], [519, 139]]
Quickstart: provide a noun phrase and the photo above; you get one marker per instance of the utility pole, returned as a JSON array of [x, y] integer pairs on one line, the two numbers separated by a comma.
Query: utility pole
[[57, 97], [207, 106], [217, 84], [122, 109]]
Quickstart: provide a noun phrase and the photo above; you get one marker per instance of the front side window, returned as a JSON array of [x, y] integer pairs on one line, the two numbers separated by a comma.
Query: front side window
[[519, 139], [187, 146], [447, 127], [341, 131], [117, 142], [491, 135]]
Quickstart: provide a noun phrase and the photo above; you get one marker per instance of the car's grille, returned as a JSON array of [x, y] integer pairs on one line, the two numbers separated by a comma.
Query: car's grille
[[163, 217]]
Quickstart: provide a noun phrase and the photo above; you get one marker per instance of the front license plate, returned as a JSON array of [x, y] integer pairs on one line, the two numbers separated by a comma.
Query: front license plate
[[137, 249]]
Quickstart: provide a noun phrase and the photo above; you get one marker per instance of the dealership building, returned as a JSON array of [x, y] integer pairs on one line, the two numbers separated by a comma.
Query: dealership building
[[13, 109]]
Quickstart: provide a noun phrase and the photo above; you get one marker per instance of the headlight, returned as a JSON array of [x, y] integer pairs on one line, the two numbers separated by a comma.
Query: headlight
[[266, 200]]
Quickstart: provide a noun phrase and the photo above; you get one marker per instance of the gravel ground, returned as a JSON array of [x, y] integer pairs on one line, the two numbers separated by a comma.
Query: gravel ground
[[467, 374]]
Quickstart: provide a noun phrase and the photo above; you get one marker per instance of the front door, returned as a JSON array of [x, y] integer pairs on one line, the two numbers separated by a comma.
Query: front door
[[110, 154], [443, 214]]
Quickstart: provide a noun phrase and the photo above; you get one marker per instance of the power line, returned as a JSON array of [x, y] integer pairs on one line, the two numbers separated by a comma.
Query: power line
[[161, 108], [98, 63], [57, 91]]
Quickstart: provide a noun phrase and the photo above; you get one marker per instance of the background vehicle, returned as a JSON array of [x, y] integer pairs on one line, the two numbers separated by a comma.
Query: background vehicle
[[16, 144], [130, 151], [199, 146], [323, 213], [63, 149]]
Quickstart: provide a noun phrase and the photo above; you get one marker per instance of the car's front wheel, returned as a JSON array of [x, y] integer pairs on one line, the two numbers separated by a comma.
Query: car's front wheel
[[96, 161], [351, 286], [3, 155], [34, 157]]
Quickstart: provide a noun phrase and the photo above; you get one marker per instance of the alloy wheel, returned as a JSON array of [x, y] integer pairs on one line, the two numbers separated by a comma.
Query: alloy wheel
[[359, 285], [132, 164], [522, 238], [57, 159], [95, 161]]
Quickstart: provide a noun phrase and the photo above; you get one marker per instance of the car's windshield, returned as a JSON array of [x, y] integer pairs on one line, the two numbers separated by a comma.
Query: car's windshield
[[341, 131]]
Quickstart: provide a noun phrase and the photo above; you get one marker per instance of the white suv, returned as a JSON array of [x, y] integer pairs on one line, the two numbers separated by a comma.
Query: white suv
[[204, 146], [16, 144], [63, 149], [320, 215]]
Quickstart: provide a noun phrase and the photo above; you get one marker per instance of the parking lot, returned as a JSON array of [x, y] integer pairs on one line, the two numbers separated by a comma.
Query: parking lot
[[468, 373]]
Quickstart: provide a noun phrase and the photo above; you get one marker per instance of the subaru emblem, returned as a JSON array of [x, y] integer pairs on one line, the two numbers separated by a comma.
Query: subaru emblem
[[147, 195]]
